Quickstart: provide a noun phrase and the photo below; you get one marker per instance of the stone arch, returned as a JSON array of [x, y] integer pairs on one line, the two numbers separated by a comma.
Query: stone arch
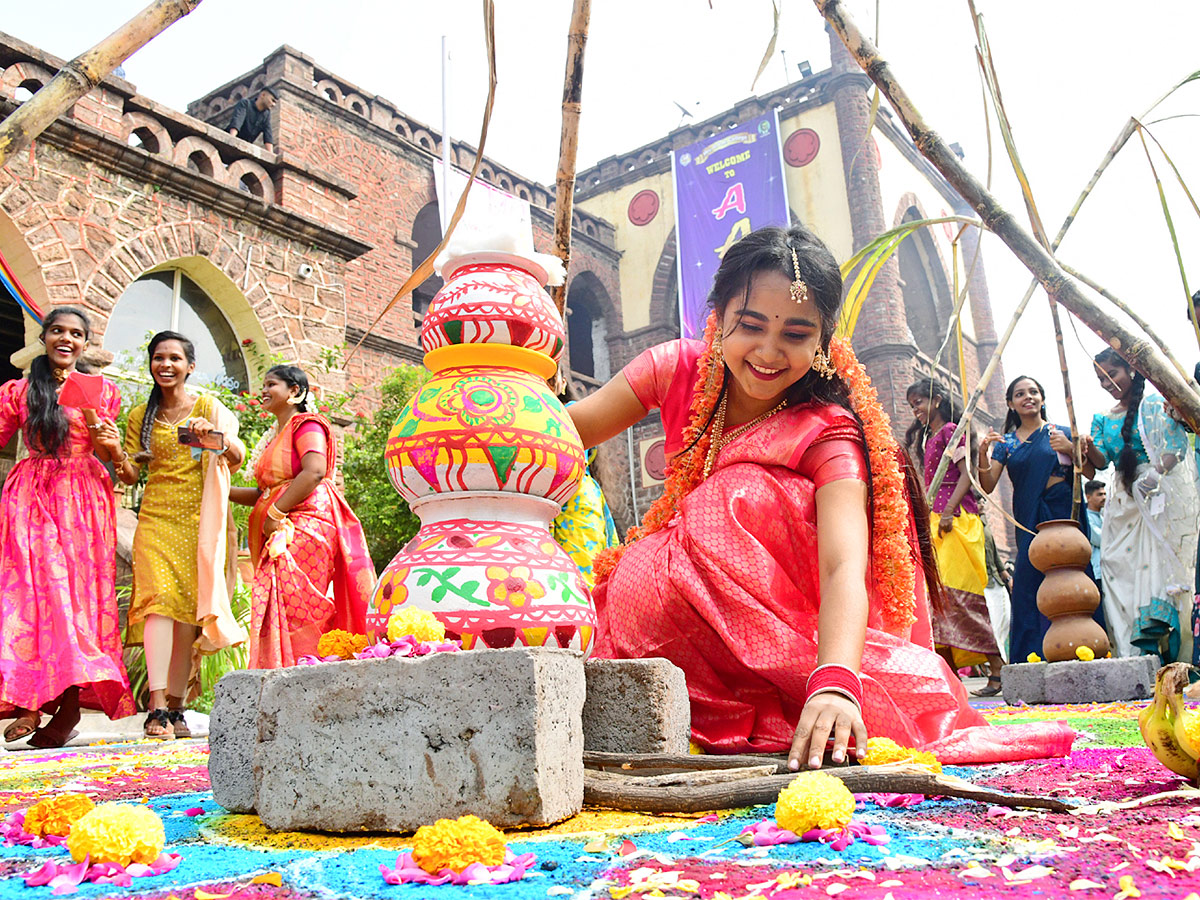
[[257, 83], [194, 247], [149, 132], [329, 90], [358, 104], [26, 74], [238, 93], [664, 289], [251, 177], [28, 271], [199, 155], [426, 234], [215, 105], [926, 288], [400, 126], [523, 193], [424, 139], [591, 318]]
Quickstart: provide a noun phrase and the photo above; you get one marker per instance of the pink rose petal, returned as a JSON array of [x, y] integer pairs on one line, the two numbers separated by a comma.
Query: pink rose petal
[[407, 872]]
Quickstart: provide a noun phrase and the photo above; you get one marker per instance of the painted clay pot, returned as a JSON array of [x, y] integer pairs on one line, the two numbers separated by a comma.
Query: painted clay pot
[[1067, 596], [486, 456]]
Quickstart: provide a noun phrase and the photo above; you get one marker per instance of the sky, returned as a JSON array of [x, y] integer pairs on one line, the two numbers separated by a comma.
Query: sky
[[1071, 71]]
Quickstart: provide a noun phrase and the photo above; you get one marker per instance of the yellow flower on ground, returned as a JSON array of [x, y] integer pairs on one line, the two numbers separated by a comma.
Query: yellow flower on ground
[[420, 623], [340, 643], [117, 833], [456, 844], [56, 815], [814, 800], [881, 751], [1087, 654], [1033, 657]]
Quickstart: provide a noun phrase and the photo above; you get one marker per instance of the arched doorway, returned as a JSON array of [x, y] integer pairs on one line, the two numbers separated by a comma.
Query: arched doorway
[[426, 234], [587, 331], [169, 299], [927, 300]]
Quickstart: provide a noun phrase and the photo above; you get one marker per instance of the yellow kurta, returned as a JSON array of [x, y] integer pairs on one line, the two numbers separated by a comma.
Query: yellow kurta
[[164, 546]]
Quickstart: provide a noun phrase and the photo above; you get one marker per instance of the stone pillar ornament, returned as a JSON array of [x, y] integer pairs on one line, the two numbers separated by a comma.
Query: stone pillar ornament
[[1067, 596], [486, 456]]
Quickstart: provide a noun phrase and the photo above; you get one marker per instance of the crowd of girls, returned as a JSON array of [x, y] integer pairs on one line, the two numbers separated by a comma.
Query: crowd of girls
[[60, 649]]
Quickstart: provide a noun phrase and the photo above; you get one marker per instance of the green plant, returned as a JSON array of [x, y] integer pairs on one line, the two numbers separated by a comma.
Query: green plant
[[388, 522]]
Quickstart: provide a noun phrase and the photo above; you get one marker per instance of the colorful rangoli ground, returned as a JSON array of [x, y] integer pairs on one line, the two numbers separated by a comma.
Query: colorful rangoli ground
[[936, 847]]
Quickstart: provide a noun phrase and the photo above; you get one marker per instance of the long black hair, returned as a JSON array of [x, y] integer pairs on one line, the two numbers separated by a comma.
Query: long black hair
[[1013, 419], [947, 407], [154, 401], [293, 377], [771, 249], [1127, 462], [46, 426]]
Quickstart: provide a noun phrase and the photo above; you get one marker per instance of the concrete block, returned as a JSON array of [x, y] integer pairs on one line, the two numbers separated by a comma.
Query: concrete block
[[636, 706], [1024, 683], [1101, 680], [233, 734], [393, 744]]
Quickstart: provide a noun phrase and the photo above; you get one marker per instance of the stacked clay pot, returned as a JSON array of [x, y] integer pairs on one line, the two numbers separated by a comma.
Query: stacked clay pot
[[1067, 596], [486, 456]]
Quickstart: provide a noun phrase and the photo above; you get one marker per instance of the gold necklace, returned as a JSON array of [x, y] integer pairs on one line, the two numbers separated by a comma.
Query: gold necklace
[[720, 439]]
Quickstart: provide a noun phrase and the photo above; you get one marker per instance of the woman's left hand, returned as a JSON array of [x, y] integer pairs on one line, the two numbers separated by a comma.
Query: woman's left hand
[[946, 523], [107, 436], [827, 715]]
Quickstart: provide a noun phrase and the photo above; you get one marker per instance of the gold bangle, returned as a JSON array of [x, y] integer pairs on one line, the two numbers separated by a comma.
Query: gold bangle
[[275, 513], [121, 461]]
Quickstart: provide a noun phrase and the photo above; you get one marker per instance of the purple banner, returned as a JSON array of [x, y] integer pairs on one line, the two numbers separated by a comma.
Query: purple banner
[[725, 187]]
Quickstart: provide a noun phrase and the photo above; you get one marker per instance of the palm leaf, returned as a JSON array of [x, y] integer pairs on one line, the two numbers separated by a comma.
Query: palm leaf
[[762, 66]]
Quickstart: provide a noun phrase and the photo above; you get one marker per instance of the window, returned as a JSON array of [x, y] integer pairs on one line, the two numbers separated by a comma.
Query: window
[[170, 301]]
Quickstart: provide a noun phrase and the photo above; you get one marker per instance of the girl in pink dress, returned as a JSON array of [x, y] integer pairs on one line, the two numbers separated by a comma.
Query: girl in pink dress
[[59, 645], [783, 569]]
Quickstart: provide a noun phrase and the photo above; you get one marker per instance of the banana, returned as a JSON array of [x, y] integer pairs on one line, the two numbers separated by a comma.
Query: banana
[[1164, 723]]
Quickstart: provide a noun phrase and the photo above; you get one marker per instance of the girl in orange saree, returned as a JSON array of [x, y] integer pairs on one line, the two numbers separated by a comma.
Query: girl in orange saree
[[303, 535], [782, 568]]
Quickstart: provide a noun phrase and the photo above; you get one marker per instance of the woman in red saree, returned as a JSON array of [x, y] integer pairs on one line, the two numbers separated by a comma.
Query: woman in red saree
[[303, 535], [781, 569]]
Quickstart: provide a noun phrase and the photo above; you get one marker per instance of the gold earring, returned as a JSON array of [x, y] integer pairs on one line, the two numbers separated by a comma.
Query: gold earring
[[822, 366]]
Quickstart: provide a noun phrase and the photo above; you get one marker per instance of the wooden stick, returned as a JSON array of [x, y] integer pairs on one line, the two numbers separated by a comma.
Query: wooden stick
[[84, 72], [630, 762], [568, 144], [692, 777], [601, 789], [1140, 353]]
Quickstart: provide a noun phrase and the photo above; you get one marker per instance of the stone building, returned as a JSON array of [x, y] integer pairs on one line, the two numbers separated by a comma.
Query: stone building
[[149, 218]]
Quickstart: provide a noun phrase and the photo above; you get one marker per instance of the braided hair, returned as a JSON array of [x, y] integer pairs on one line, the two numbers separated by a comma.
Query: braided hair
[[154, 401], [1127, 461], [1012, 419], [46, 426]]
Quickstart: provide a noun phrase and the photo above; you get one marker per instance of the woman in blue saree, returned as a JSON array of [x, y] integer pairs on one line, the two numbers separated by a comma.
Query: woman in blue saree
[[1037, 456]]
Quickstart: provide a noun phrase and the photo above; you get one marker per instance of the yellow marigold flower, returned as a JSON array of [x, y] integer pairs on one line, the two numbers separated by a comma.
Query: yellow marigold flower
[[456, 843], [420, 623], [341, 643], [1085, 653], [117, 833], [1033, 657], [814, 800], [881, 751], [56, 815], [1191, 727]]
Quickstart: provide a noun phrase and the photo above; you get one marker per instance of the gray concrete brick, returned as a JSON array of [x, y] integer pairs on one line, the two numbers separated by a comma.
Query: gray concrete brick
[[636, 706], [233, 734], [393, 744], [1024, 682], [1100, 680]]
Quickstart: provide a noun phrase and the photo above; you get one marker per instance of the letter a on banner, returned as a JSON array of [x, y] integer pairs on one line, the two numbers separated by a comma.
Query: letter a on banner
[[725, 186]]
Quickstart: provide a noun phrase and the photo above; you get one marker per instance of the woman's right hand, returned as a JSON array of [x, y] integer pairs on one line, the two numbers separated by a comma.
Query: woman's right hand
[[985, 446]]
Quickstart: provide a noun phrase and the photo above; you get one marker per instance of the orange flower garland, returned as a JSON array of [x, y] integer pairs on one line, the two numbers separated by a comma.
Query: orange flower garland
[[891, 554]]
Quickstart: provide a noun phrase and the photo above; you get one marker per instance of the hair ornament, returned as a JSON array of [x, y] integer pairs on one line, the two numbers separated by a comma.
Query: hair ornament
[[799, 290]]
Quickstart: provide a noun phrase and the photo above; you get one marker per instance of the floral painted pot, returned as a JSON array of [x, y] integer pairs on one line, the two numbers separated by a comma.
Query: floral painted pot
[[485, 428], [486, 456], [486, 566]]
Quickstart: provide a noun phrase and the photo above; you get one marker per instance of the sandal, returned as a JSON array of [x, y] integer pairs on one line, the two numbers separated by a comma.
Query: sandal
[[991, 690], [161, 718], [179, 722], [22, 727]]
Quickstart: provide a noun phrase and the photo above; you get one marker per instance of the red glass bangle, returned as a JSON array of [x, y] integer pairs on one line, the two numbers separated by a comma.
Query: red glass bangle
[[838, 678]]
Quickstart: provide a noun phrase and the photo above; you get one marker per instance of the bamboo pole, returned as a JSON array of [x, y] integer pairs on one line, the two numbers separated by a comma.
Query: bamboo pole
[[1140, 353], [569, 143], [84, 72]]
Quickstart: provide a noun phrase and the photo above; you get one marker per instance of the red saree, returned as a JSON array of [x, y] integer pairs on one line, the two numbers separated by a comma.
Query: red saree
[[291, 604], [729, 591]]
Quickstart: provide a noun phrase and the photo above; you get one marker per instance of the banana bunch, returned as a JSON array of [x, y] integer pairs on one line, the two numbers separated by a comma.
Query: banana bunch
[[1168, 728]]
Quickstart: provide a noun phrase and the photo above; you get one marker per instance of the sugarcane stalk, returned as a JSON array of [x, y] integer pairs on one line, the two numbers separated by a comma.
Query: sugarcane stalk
[[569, 143], [84, 72], [1140, 353]]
